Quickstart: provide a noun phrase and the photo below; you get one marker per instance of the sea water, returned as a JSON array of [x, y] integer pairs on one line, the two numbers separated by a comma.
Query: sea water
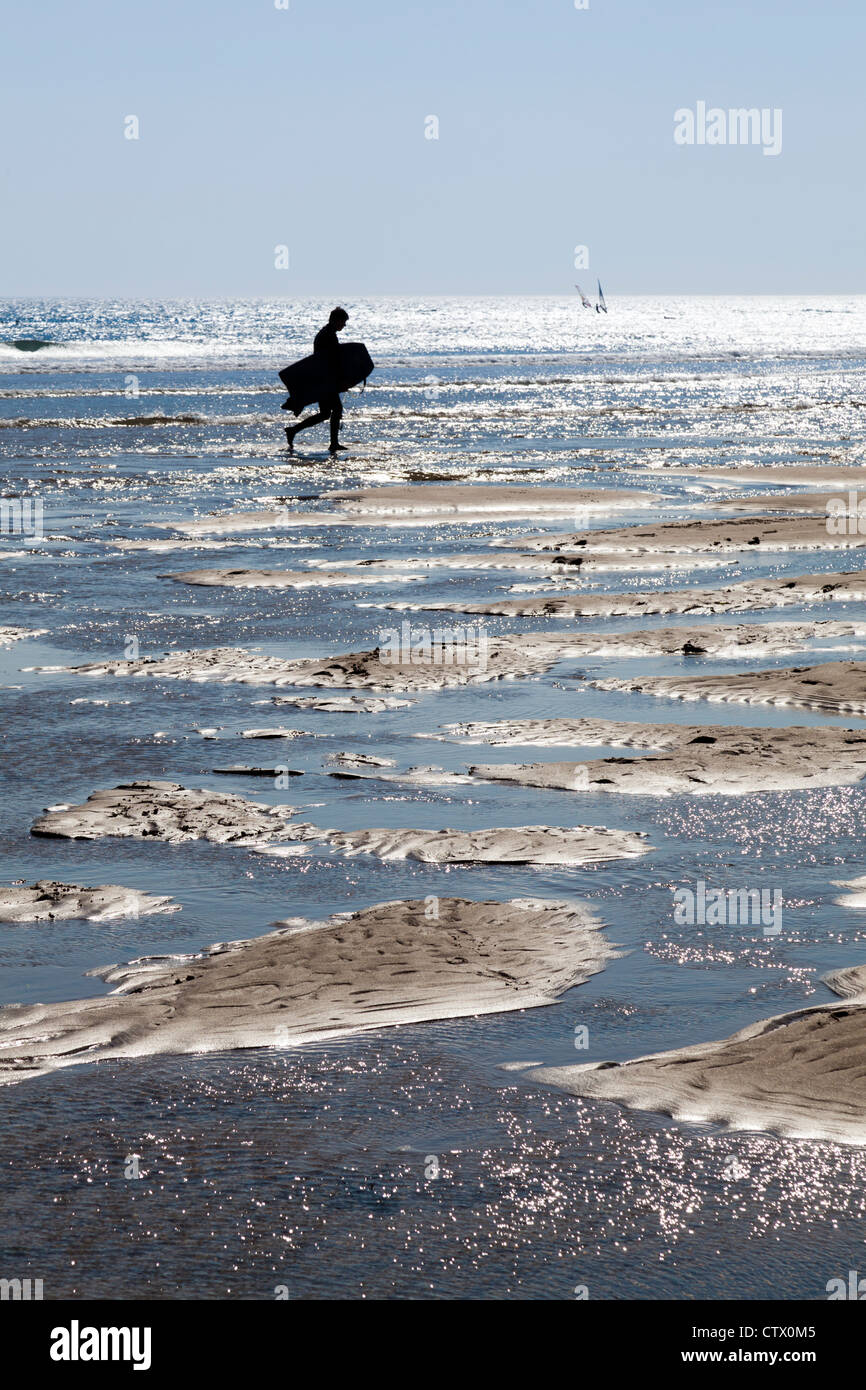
[[406, 1163]]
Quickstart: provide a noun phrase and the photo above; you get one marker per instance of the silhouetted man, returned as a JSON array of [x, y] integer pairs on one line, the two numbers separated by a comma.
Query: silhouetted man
[[326, 345]]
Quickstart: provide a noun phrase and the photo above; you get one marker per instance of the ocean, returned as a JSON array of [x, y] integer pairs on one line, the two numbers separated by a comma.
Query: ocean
[[406, 1163]]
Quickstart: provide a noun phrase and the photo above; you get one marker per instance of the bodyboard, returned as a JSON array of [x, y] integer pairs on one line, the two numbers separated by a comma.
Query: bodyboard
[[310, 380]]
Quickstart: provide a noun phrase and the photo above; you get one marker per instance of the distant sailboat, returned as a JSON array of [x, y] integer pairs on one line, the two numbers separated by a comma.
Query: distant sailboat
[[583, 299], [601, 307]]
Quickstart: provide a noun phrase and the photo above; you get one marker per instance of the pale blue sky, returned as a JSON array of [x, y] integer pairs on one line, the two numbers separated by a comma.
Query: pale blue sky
[[305, 127]]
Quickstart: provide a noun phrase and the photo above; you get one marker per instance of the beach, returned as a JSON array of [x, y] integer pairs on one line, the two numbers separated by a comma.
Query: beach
[[346, 802]]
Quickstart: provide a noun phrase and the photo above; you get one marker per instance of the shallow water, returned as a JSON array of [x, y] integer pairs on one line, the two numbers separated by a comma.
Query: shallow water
[[308, 1168]]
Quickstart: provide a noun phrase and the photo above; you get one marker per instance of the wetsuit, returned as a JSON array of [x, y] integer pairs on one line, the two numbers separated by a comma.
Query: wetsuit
[[326, 345]]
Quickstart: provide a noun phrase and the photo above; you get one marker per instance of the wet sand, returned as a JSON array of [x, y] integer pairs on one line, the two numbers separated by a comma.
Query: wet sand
[[508, 656], [830, 475], [802, 1075], [703, 536], [691, 759], [750, 594], [10, 635], [395, 963], [46, 901], [524, 844], [402, 962], [834, 687], [166, 811], [290, 579], [449, 500], [423, 505]]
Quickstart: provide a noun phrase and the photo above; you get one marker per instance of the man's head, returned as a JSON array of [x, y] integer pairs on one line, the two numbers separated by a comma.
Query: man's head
[[338, 318]]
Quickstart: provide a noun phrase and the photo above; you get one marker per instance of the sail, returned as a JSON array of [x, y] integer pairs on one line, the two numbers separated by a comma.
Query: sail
[[601, 307], [583, 299]]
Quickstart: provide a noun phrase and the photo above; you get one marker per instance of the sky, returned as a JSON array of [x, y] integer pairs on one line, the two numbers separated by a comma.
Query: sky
[[306, 128]]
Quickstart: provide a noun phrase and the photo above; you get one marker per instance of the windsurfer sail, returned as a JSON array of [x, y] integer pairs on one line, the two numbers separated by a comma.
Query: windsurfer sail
[[583, 299], [601, 307]]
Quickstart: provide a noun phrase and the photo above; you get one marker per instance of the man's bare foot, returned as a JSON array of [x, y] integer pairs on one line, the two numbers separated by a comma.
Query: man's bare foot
[[290, 439], [337, 448]]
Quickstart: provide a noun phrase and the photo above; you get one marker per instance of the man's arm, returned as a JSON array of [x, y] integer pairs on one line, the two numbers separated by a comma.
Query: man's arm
[[326, 344]]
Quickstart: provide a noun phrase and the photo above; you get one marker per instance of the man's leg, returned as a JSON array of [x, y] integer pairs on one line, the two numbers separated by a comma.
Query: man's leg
[[292, 430], [336, 417]]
